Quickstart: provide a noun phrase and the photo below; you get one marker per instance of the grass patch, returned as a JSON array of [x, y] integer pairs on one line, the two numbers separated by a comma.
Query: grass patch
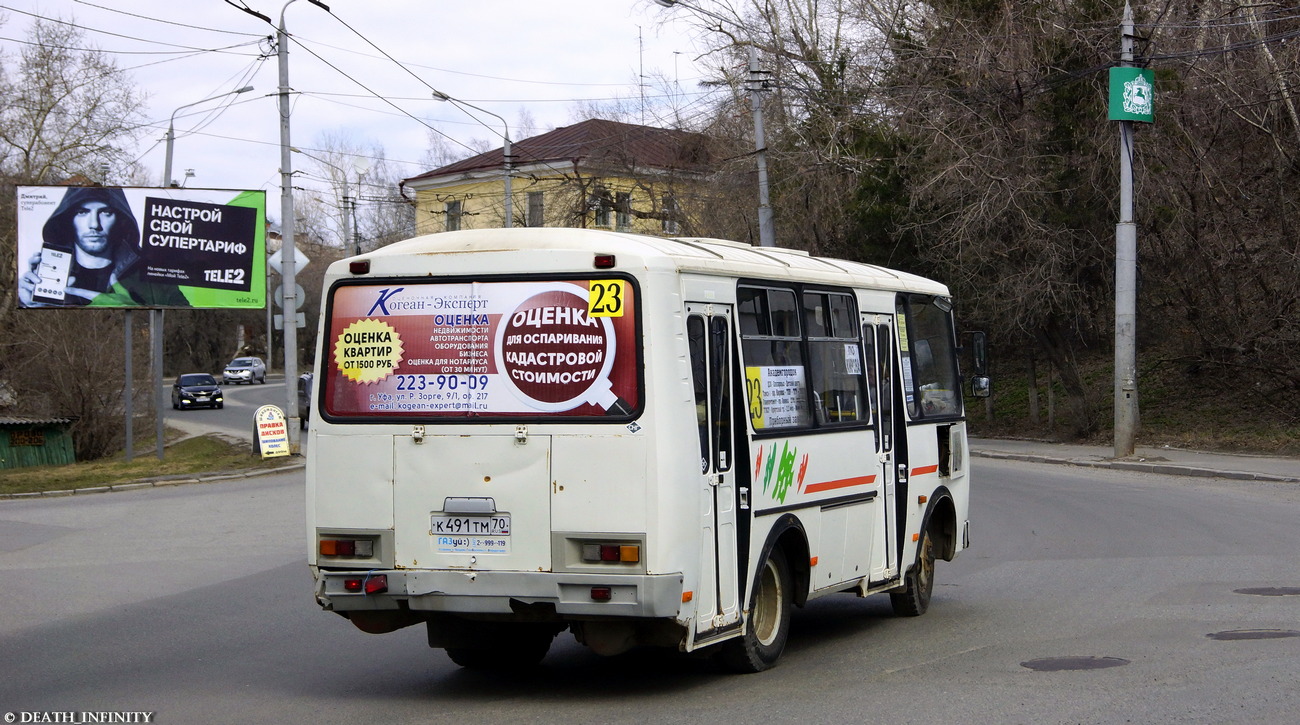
[[205, 454], [1177, 408]]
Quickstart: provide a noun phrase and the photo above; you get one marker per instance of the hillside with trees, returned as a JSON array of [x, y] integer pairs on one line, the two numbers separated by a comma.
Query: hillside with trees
[[967, 141]]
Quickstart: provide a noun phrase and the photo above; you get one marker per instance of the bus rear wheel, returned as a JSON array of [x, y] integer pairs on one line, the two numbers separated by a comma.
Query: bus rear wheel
[[769, 620], [915, 597]]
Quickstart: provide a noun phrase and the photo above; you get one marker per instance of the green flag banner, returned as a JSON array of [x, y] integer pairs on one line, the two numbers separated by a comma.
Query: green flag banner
[[1132, 95]]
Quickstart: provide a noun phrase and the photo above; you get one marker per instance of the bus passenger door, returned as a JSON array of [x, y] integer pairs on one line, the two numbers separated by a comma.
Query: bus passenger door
[[709, 336], [878, 338]]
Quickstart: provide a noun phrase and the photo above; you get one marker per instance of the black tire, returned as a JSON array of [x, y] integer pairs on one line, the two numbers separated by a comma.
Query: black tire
[[220, 406], [915, 597], [524, 650], [768, 625]]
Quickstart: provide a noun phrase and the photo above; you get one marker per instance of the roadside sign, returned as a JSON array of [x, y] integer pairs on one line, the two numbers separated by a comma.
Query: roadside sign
[[300, 260], [300, 295], [1132, 95], [270, 432], [278, 320]]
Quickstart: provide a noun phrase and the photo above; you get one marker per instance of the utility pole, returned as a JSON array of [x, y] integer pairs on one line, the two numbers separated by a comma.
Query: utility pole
[[287, 261], [1126, 390], [756, 85]]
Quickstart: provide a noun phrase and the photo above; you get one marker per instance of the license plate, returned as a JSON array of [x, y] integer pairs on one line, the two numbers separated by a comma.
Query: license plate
[[453, 525]]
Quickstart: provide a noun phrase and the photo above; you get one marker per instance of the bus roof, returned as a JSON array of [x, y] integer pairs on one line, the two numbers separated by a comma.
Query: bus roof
[[575, 246]]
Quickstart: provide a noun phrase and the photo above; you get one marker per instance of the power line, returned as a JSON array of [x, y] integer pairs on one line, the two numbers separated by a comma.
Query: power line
[[160, 20], [120, 35], [403, 111]]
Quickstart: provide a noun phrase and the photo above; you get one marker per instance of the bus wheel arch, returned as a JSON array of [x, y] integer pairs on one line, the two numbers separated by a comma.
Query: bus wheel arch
[[780, 582], [941, 521], [938, 540]]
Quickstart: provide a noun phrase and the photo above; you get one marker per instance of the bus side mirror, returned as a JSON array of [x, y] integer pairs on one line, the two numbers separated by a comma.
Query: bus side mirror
[[981, 386]]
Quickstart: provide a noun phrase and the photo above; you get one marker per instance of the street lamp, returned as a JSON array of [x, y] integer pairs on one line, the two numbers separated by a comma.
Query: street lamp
[[156, 315], [505, 150], [171, 131]]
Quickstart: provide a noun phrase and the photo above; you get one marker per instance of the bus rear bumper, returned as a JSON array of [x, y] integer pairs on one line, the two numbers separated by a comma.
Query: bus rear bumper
[[507, 592]]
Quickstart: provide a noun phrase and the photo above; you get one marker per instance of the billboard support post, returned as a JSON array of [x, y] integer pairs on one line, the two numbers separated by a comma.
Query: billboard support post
[[129, 392]]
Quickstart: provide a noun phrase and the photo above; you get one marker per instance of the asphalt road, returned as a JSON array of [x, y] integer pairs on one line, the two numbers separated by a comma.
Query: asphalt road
[[194, 603], [235, 418]]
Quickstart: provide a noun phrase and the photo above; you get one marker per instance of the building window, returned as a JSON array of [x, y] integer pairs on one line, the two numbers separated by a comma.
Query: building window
[[602, 207], [452, 209], [670, 223], [623, 205], [536, 209]]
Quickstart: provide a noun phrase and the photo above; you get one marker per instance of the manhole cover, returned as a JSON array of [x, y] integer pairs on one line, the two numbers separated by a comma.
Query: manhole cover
[[1270, 591], [1061, 664], [1234, 634]]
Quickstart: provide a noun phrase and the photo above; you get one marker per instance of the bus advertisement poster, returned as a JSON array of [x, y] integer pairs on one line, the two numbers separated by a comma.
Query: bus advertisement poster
[[96, 246], [497, 349]]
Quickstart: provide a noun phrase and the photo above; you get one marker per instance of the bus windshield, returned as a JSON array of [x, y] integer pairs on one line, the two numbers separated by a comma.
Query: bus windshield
[[486, 351]]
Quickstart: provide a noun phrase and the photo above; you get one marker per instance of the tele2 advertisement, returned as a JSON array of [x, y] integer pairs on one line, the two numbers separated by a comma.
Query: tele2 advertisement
[[95, 246]]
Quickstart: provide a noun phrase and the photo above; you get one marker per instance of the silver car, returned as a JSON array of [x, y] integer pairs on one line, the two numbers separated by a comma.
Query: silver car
[[244, 370]]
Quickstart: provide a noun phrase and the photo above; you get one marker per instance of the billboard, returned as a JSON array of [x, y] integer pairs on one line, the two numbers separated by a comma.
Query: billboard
[[103, 246]]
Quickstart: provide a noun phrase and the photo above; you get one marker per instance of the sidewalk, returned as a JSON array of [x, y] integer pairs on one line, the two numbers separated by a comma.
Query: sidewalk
[[1173, 461]]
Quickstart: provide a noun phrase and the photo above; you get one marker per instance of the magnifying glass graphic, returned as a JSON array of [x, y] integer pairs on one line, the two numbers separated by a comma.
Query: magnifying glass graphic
[[555, 357]]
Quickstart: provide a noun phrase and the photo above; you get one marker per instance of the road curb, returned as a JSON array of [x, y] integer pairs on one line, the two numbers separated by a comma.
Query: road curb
[[161, 482], [1140, 466]]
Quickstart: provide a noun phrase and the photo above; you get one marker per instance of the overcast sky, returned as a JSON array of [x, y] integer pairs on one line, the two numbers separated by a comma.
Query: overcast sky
[[508, 56]]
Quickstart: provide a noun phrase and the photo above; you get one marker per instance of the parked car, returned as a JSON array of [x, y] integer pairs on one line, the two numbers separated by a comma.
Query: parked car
[[304, 398], [245, 370], [196, 389]]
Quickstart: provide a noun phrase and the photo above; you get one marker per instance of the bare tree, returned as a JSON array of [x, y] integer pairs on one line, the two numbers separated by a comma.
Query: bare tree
[[66, 112]]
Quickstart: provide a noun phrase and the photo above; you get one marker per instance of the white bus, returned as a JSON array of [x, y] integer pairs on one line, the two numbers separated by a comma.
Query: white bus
[[645, 441]]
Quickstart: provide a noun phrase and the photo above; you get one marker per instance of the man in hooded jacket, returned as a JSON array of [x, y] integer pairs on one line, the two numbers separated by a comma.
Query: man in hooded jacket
[[97, 226]]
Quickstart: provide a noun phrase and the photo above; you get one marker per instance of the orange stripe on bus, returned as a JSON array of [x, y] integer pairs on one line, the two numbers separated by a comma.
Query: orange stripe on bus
[[841, 483], [922, 470]]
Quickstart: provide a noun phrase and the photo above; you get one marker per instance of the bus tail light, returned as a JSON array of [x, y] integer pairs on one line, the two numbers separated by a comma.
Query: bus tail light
[[602, 594], [377, 584], [352, 548], [613, 552]]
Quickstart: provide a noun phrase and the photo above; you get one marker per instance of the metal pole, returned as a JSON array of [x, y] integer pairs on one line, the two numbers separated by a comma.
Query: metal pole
[[507, 167], [356, 224], [287, 261], [347, 215], [156, 339], [156, 316], [1126, 392], [130, 397], [766, 230]]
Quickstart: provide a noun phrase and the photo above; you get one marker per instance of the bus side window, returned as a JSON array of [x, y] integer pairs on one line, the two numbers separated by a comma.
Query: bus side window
[[834, 358], [699, 377], [720, 397], [772, 346], [871, 363]]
